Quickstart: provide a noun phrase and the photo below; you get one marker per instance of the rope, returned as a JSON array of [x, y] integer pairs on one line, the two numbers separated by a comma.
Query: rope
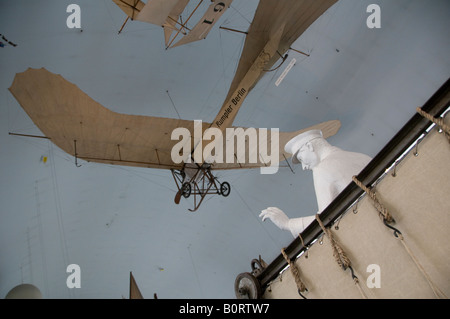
[[339, 255], [438, 121], [301, 288], [383, 211], [437, 292]]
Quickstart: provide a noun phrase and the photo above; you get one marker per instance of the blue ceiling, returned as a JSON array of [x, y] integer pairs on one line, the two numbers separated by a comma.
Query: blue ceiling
[[111, 220]]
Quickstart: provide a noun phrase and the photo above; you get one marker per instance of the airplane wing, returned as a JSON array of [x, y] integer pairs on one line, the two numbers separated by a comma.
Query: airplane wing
[[270, 16], [216, 9], [172, 23], [154, 11], [132, 8], [87, 130]]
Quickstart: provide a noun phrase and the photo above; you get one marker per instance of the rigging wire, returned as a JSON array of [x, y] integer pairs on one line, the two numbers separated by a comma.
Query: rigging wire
[[220, 78], [173, 104], [252, 214], [129, 170], [110, 14], [41, 239], [58, 206], [239, 13]]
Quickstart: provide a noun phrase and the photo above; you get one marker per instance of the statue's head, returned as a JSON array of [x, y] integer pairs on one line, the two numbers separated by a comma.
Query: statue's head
[[302, 150]]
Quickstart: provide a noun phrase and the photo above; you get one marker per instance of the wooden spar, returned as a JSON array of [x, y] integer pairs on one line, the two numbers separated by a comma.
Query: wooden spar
[[27, 135], [118, 148], [178, 32], [75, 153], [288, 163], [233, 30], [157, 155], [134, 7], [123, 25], [183, 26], [298, 51]]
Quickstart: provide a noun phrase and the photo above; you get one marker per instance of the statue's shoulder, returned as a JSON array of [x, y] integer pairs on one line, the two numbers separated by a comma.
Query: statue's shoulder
[[340, 161], [338, 154]]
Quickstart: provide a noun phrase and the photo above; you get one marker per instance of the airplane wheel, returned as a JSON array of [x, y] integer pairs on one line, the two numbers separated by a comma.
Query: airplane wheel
[[186, 190], [246, 286], [225, 189]]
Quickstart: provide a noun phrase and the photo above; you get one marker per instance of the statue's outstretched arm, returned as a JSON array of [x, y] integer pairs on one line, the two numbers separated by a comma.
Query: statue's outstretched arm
[[282, 221]]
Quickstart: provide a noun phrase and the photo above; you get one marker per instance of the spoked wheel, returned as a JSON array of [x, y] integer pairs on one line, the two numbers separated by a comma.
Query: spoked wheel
[[225, 189], [246, 286], [186, 190]]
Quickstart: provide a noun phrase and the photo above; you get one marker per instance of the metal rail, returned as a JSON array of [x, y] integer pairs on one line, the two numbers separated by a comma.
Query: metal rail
[[407, 135]]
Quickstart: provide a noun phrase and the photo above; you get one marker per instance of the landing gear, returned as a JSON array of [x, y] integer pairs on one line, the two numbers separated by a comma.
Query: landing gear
[[225, 189], [186, 190]]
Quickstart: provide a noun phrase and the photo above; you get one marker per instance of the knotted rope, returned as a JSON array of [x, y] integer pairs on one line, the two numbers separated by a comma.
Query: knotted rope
[[387, 218], [384, 213], [439, 121], [339, 255], [301, 288]]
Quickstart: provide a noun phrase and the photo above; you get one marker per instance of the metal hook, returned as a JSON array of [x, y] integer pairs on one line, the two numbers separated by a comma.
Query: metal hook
[[396, 231], [355, 208], [394, 173], [416, 153], [337, 224]]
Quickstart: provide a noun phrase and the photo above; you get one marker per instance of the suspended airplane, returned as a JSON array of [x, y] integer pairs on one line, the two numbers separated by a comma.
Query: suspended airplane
[[87, 130], [167, 14]]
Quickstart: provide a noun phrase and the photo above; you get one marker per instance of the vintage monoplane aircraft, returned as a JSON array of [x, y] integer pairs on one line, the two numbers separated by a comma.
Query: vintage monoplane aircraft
[[85, 129], [167, 14]]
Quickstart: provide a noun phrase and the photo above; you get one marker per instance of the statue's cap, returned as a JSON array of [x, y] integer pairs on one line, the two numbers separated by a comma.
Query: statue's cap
[[294, 144]]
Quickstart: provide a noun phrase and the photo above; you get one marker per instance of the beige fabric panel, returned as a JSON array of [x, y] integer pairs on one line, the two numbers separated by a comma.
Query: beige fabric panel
[[130, 7], [418, 199], [156, 11]]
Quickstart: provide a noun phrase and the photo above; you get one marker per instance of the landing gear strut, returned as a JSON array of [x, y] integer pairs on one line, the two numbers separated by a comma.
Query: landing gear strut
[[199, 182]]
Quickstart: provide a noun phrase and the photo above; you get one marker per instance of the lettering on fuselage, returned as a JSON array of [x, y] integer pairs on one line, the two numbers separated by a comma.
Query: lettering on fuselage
[[229, 110]]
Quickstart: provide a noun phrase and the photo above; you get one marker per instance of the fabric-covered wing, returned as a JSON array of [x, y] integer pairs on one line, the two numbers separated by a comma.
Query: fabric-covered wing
[[132, 8], [297, 15], [66, 114], [84, 128], [204, 26], [156, 11]]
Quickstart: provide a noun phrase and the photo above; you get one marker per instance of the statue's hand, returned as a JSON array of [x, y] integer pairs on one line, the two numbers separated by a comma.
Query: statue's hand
[[277, 216]]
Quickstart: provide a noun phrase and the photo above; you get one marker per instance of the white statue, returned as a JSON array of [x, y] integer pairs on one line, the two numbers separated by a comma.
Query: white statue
[[333, 169]]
